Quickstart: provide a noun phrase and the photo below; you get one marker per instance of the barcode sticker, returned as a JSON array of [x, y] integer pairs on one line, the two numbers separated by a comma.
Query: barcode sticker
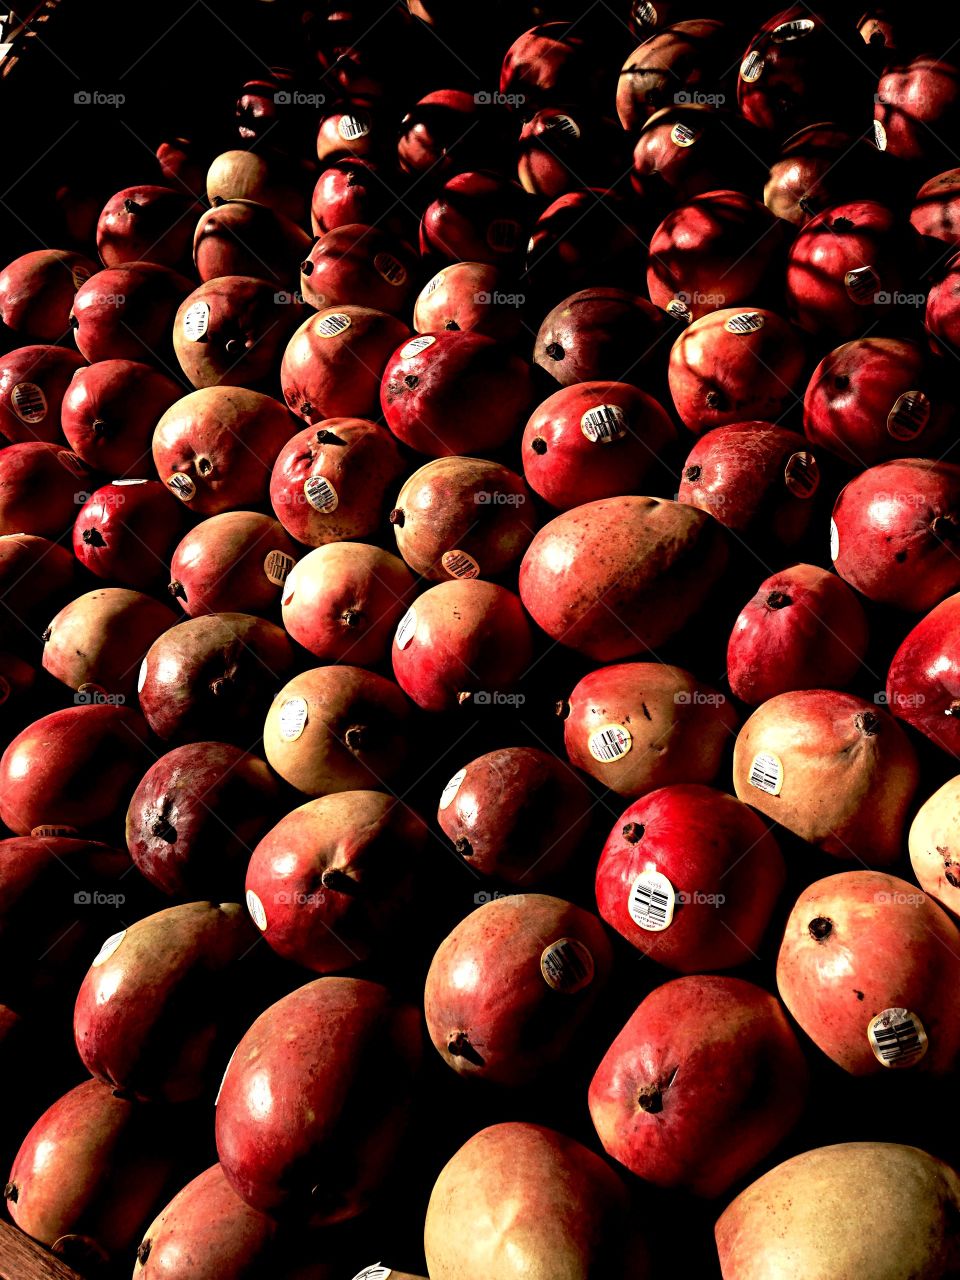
[[125, 482], [376, 1272], [393, 271], [909, 415], [460, 565], [678, 307], [879, 136], [257, 913], [566, 124], [28, 401], [277, 565], [834, 540], [433, 285], [350, 128], [652, 901], [407, 628], [644, 13], [108, 948], [897, 1038], [766, 773], [182, 485], [609, 743], [416, 345], [72, 462], [683, 135], [142, 677], [321, 494], [745, 322], [332, 324], [503, 234], [862, 284], [449, 793], [80, 276], [48, 830], [567, 966], [196, 321], [793, 30], [604, 423], [293, 718], [751, 68], [801, 475]]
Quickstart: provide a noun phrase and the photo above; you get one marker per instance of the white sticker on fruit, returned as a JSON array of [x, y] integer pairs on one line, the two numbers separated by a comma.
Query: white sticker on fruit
[[449, 793], [503, 235], [751, 68], [376, 1272], [109, 947], [766, 773], [321, 494], [897, 1038], [678, 307], [909, 415], [416, 345], [277, 565], [293, 718], [28, 402], [801, 475], [407, 628], [142, 677], [834, 540], [793, 30], [684, 135], [433, 285], [609, 743], [565, 124], [224, 1077], [196, 321], [644, 14], [119, 482], [46, 831], [604, 423], [393, 271], [257, 913], [459, 564], [745, 322], [350, 128], [567, 966], [182, 485], [862, 284], [879, 136], [652, 901], [336, 322]]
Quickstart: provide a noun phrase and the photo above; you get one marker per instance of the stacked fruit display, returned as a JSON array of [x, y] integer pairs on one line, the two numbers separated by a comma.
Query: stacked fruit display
[[480, 664]]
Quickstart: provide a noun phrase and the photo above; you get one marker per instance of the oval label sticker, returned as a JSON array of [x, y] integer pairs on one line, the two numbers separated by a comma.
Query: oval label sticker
[[567, 966], [293, 718], [609, 743], [652, 901]]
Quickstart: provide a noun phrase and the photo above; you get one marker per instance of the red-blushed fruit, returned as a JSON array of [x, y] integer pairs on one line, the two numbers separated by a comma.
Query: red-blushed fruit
[[552, 63], [462, 518], [477, 217], [18, 678], [804, 629], [213, 676], [334, 362], [127, 313], [338, 728], [688, 147], [147, 224], [835, 770], [40, 487], [916, 108], [179, 163], [819, 166], [346, 133], [33, 382], [265, 109], [894, 532], [868, 967], [690, 877], [329, 885], [520, 1200], [720, 249], [850, 267], [90, 1173], [936, 211], [584, 238], [295, 1098], [450, 130], [270, 180], [231, 331], [110, 410], [95, 643], [934, 846], [477, 296], [755, 478], [37, 292], [72, 770], [640, 725], [510, 988], [923, 682], [153, 1015], [237, 560], [517, 813], [600, 334], [36, 576], [215, 448], [687, 56], [331, 482], [942, 315], [352, 189], [342, 602], [876, 399], [594, 440], [452, 393], [360, 266], [735, 366], [126, 532], [620, 576], [704, 1081], [464, 641], [244, 238], [563, 150], [796, 1220], [195, 816]]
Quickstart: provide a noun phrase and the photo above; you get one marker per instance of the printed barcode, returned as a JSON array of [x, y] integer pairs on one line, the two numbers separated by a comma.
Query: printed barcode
[[766, 773], [909, 415], [651, 903], [565, 125], [393, 272], [321, 494], [351, 127], [503, 233], [181, 485], [29, 402], [802, 475], [792, 30], [644, 14], [683, 135], [608, 744], [331, 325], [745, 322], [861, 283], [603, 423], [751, 66], [459, 565], [898, 1041], [566, 965]]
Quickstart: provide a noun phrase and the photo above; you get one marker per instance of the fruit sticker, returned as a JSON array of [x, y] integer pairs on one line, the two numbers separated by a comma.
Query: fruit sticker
[[45, 832], [566, 124], [897, 1038], [609, 743], [257, 913], [909, 415], [415, 346], [80, 276], [277, 565], [460, 565], [72, 462], [449, 793], [751, 68], [834, 540], [678, 307], [433, 285], [196, 321], [794, 30], [745, 322], [879, 136], [109, 947], [182, 485], [801, 475], [293, 718], [652, 901], [684, 135], [332, 324], [120, 482], [862, 284], [644, 14], [28, 402], [376, 1272], [604, 423], [142, 677], [393, 272], [350, 128], [321, 494], [567, 966], [766, 773], [407, 628], [224, 1077]]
